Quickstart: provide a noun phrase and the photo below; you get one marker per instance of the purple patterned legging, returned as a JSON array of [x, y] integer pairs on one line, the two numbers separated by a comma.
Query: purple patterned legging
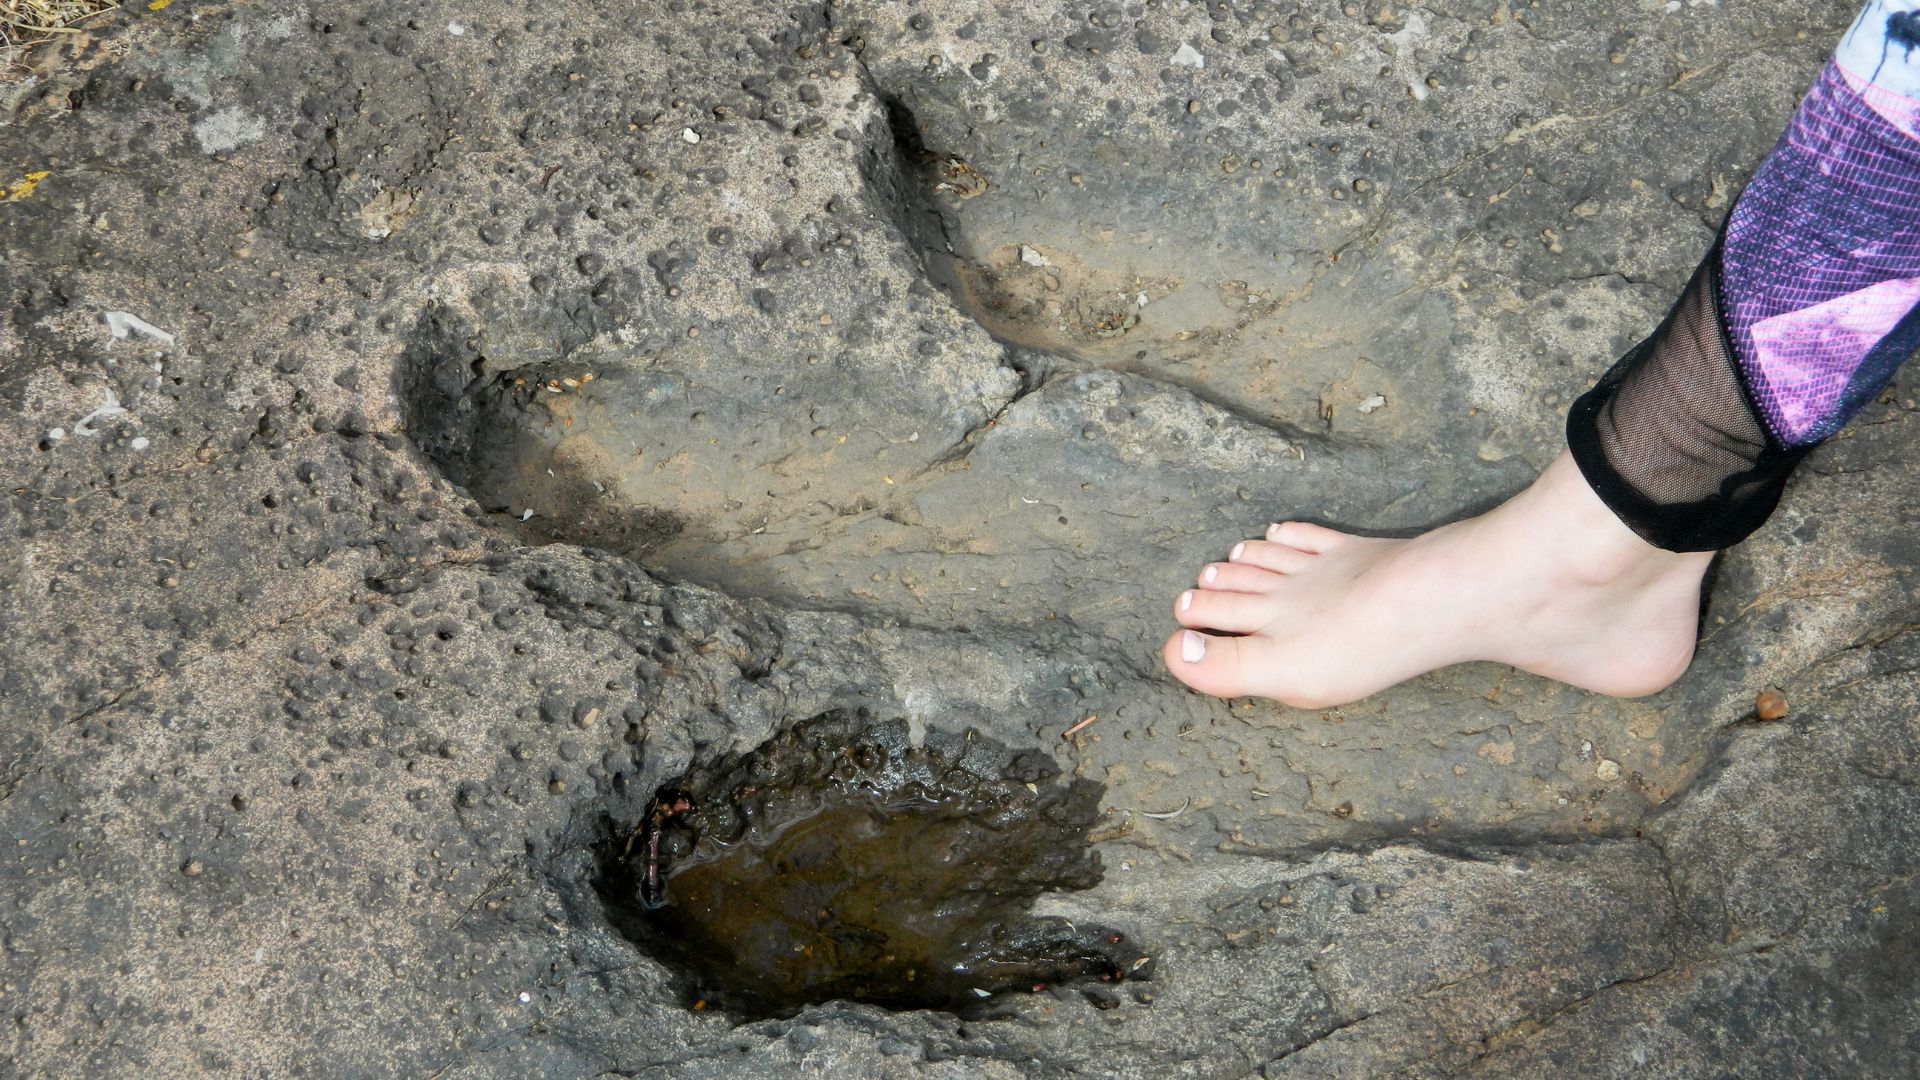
[[1820, 269], [1799, 316]]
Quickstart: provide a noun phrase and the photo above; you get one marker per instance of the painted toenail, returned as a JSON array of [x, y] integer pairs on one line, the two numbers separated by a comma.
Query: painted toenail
[[1186, 600], [1211, 573], [1192, 647], [1234, 555]]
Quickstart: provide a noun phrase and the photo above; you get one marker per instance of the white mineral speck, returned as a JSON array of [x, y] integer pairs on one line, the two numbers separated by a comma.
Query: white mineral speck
[[1187, 56], [228, 129], [456, 29], [140, 442], [690, 135], [121, 323]]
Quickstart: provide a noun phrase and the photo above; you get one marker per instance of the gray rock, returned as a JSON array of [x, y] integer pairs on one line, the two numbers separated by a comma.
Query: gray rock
[[923, 376]]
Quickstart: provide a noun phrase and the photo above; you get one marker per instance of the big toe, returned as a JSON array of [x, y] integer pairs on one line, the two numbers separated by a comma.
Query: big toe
[[1221, 666]]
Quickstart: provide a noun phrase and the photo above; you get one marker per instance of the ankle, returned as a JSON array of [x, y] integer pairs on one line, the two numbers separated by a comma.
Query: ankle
[[1592, 545]]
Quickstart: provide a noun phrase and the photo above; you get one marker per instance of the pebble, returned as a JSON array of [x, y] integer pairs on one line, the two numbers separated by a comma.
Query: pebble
[[1770, 704]]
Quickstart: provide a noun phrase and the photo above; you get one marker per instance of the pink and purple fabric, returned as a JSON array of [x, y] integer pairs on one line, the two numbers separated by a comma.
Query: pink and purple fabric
[[1820, 264]]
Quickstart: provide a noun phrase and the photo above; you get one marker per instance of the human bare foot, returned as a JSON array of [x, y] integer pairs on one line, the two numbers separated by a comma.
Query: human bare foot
[[1550, 582]]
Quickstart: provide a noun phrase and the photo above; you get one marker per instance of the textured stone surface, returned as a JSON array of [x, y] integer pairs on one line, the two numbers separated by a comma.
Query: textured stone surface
[[932, 347]]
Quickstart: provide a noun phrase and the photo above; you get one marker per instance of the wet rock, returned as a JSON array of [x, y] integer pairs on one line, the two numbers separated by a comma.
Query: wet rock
[[840, 861]]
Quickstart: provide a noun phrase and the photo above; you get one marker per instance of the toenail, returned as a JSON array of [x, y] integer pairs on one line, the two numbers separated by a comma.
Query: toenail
[[1186, 600], [1212, 572], [1192, 647], [1273, 531], [1237, 549]]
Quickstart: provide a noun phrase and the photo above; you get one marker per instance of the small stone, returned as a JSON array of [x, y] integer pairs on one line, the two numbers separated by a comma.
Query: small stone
[[1187, 56], [191, 868], [689, 135], [1607, 769], [1770, 704]]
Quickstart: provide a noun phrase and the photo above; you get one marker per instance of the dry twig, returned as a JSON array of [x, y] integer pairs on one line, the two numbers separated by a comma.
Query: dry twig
[[27, 23], [50, 16]]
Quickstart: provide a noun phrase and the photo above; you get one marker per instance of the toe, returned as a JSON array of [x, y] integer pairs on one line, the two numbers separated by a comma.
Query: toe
[[1232, 612], [1279, 558], [1221, 666], [1234, 577], [1306, 536]]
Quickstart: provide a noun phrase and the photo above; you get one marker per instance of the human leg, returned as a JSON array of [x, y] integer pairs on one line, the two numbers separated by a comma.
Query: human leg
[[1797, 317]]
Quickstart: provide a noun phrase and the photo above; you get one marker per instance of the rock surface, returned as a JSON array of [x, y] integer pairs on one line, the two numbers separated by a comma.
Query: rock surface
[[557, 396]]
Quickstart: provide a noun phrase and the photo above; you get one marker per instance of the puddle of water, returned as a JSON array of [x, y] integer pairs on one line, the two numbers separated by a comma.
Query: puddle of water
[[837, 861]]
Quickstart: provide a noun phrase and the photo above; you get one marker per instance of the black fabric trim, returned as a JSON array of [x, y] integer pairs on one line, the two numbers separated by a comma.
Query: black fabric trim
[[1745, 498]]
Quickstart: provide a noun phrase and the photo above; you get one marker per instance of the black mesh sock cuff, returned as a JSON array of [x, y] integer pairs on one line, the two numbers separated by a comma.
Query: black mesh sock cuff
[[1669, 438]]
